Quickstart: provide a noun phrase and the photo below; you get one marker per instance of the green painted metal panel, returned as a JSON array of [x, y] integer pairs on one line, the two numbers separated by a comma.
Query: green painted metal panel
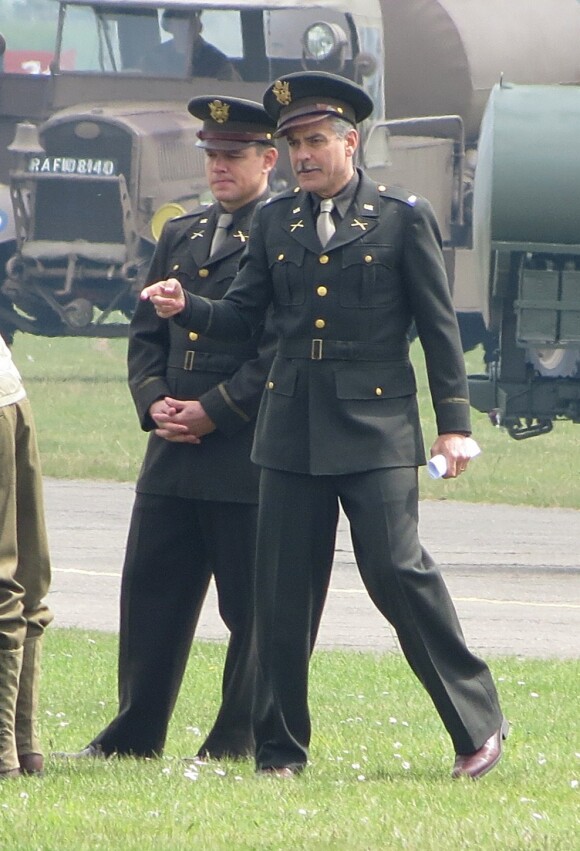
[[532, 167]]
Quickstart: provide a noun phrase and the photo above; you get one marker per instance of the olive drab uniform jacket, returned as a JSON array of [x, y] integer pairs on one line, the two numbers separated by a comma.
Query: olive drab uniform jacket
[[227, 378], [341, 394]]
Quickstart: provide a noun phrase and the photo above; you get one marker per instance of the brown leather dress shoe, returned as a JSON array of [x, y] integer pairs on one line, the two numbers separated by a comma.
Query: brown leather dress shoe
[[282, 771], [31, 763], [475, 765]]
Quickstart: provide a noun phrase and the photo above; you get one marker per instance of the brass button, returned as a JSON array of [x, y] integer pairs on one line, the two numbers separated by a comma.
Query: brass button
[[368, 258], [320, 323], [322, 291], [324, 258], [193, 336], [280, 257], [270, 385], [379, 391], [203, 273], [175, 267]]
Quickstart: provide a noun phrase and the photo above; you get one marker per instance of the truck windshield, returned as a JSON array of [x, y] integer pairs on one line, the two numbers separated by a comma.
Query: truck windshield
[[109, 40], [237, 44]]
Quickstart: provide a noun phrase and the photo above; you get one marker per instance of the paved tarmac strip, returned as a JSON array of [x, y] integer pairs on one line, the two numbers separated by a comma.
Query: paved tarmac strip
[[513, 572]]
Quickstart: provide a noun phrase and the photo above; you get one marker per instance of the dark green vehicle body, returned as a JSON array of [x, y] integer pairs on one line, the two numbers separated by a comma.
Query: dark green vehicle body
[[527, 246]]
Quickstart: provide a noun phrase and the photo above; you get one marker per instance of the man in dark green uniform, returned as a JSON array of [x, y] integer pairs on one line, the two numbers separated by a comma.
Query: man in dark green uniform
[[197, 493], [339, 419]]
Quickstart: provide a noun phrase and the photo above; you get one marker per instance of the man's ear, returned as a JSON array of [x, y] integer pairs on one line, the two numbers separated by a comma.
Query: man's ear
[[270, 159], [351, 142]]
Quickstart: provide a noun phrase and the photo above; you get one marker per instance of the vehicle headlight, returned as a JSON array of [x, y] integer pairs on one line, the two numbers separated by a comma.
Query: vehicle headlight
[[165, 212], [322, 40]]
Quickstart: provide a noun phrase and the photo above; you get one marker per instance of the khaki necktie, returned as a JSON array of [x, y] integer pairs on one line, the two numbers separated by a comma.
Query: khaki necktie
[[221, 231], [325, 227]]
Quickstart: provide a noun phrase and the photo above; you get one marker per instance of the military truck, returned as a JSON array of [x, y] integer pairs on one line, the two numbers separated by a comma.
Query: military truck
[[108, 152]]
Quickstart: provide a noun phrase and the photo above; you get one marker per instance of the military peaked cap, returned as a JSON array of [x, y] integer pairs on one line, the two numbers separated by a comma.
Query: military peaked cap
[[309, 96], [231, 123]]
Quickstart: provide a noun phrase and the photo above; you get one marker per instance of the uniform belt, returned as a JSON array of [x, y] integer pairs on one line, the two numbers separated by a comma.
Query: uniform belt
[[207, 361], [337, 350]]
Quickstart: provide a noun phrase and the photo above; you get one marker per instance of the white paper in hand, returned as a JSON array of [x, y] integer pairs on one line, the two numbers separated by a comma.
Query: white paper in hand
[[437, 466]]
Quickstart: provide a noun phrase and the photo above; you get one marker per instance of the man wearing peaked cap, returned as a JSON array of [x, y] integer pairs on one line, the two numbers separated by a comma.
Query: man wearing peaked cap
[[307, 97], [231, 123], [347, 267], [196, 504]]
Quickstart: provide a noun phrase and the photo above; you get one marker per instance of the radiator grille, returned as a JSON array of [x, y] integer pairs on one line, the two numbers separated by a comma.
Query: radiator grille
[[75, 209]]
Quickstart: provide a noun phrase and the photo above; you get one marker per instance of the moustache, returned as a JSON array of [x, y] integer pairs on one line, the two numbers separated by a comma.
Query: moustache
[[305, 169]]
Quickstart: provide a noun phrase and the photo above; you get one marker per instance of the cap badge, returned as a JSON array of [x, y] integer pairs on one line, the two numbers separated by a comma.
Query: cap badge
[[219, 111], [282, 92]]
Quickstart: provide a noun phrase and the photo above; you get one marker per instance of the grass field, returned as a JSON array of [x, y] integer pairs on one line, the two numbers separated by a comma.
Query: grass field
[[380, 760], [379, 776], [88, 429]]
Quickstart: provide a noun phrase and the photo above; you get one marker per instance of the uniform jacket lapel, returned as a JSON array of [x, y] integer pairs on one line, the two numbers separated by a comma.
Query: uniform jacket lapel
[[237, 238], [300, 224], [200, 235], [361, 218]]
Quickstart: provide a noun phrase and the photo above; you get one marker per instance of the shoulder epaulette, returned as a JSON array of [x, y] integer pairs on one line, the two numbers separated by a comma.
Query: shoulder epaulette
[[199, 211], [398, 194], [280, 196]]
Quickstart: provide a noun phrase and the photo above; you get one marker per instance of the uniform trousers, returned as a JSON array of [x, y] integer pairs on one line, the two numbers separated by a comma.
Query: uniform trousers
[[296, 530], [24, 555], [174, 546]]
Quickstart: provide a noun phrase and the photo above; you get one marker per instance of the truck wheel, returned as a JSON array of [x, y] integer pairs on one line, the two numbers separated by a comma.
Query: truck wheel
[[554, 363]]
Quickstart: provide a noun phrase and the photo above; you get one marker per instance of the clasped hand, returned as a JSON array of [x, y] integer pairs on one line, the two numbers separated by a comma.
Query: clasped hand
[[180, 421], [167, 297]]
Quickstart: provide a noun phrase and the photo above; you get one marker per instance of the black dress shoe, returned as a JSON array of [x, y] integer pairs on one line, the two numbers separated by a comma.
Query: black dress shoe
[[90, 752], [475, 765]]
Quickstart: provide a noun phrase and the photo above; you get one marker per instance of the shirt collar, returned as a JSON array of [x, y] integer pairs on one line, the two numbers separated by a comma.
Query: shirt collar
[[243, 212], [343, 199]]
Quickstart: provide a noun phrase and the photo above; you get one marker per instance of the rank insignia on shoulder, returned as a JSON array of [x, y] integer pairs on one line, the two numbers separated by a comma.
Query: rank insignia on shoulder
[[398, 193]]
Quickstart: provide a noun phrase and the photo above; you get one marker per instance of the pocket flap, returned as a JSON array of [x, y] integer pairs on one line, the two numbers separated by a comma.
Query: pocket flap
[[365, 254], [282, 378], [383, 381]]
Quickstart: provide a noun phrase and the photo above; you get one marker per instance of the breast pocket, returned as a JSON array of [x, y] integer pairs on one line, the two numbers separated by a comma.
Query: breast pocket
[[369, 276], [286, 268], [214, 284]]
